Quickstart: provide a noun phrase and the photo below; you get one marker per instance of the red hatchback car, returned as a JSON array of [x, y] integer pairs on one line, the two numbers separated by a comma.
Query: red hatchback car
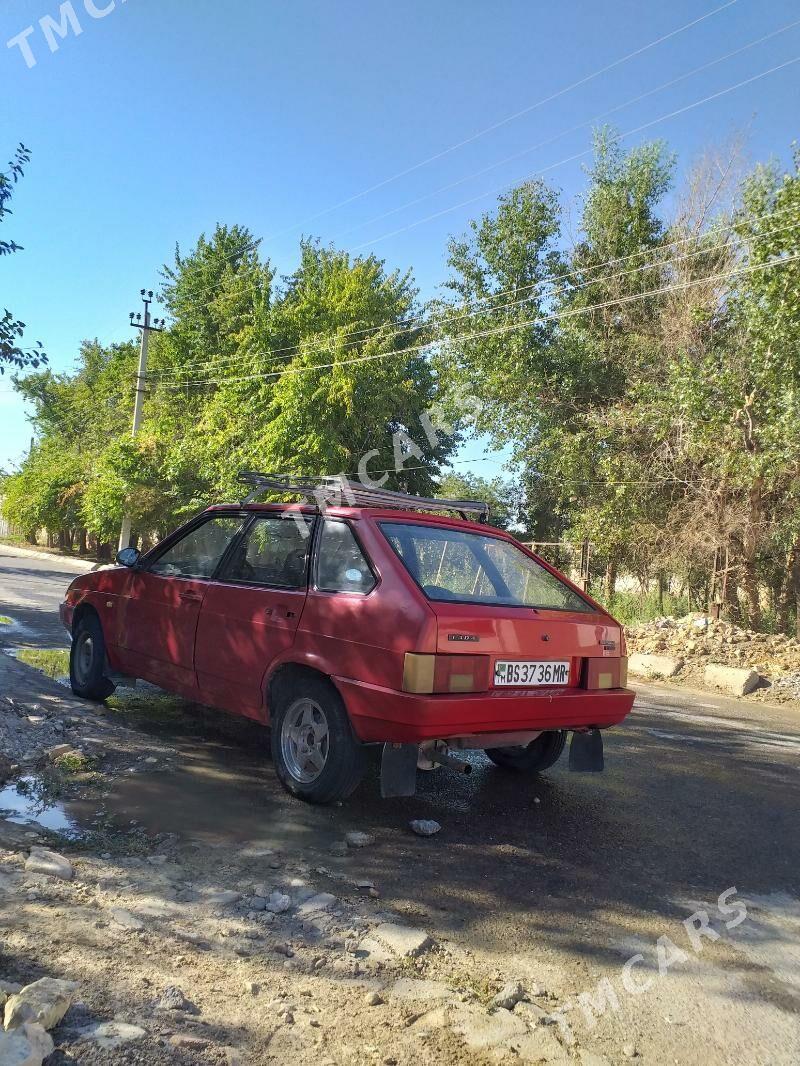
[[359, 624]]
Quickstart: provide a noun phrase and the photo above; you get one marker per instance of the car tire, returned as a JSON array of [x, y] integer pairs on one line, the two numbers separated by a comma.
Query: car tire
[[316, 756], [87, 660], [539, 755]]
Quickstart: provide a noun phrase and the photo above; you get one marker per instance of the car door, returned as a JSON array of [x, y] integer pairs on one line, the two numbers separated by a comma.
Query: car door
[[162, 604], [251, 612]]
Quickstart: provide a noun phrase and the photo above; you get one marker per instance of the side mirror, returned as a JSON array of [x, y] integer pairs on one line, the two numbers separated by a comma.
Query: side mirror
[[128, 556]]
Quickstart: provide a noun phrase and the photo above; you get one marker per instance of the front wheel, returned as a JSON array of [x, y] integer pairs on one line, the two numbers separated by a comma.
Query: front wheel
[[540, 754], [314, 751], [87, 660]]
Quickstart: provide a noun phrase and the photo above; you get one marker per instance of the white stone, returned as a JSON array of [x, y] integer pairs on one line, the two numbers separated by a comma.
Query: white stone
[[27, 1046], [109, 1035], [731, 679], [424, 827], [43, 861], [322, 901], [278, 902], [357, 839], [653, 665], [400, 940], [45, 1002], [223, 898]]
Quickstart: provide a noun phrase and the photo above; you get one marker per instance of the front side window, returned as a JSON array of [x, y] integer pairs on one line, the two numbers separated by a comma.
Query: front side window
[[199, 552], [342, 566], [274, 552], [462, 567]]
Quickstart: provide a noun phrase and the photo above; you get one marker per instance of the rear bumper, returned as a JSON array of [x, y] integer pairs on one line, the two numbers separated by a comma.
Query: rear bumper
[[65, 612], [380, 714]]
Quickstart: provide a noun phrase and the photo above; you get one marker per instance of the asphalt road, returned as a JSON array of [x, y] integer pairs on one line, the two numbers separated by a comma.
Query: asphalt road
[[571, 874]]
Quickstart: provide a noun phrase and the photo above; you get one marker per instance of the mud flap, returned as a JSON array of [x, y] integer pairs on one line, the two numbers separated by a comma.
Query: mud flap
[[586, 752], [399, 770]]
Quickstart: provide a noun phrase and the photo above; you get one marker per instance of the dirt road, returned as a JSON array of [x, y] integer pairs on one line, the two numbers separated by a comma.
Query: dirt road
[[576, 886]]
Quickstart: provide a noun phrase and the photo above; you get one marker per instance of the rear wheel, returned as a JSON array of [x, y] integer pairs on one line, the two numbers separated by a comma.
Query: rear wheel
[[540, 754], [314, 751], [87, 660]]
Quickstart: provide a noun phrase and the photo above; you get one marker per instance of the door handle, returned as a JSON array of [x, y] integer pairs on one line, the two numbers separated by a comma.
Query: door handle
[[190, 597], [279, 611]]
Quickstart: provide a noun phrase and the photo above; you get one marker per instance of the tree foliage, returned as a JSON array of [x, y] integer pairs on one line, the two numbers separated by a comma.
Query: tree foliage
[[12, 329], [644, 373]]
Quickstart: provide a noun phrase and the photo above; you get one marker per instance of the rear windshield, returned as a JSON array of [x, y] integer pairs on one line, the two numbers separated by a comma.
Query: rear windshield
[[461, 567]]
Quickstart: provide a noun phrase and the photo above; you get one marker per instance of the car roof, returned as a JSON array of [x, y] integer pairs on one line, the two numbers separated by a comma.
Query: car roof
[[376, 513]]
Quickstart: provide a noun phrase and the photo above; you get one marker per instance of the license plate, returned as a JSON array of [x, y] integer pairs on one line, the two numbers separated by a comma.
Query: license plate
[[529, 673]]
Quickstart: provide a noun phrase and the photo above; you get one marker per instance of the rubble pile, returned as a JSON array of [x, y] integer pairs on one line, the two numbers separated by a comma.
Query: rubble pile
[[697, 640]]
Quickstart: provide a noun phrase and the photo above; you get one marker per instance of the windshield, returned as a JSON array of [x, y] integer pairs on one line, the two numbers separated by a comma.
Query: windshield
[[463, 567]]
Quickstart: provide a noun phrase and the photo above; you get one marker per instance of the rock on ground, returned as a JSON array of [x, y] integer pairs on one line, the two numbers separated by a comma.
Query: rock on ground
[[394, 939], [172, 998], [654, 665], [730, 679], [278, 902], [110, 1035], [322, 901], [27, 1046], [357, 839], [45, 1002], [43, 861], [424, 827]]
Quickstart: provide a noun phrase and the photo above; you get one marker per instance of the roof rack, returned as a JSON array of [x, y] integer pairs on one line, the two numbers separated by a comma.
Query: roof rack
[[340, 491]]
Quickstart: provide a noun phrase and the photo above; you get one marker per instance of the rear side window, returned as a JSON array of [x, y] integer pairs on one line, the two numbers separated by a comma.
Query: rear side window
[[463, 567], [274, 551], [342, 566], [198, 553]]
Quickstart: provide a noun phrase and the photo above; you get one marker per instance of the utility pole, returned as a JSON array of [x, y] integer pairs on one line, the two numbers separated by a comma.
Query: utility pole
[[147, 327]]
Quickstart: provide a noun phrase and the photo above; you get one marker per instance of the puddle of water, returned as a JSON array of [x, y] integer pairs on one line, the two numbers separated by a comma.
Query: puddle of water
[[23, 803]]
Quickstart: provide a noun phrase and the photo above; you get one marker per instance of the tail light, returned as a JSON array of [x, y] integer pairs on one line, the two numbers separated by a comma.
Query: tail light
[[606, 673], [445, 673]]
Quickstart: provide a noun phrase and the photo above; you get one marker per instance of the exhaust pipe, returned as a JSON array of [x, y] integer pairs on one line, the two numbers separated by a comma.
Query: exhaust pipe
[[444, 758]]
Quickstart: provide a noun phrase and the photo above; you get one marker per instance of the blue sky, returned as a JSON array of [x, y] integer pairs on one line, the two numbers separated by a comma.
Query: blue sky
[[162, 119]]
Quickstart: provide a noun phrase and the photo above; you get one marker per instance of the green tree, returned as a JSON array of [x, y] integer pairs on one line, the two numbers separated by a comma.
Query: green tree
[[501, 495], [12, 329]]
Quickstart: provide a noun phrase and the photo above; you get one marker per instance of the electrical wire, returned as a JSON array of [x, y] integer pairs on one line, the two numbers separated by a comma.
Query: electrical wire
[[425, 321], [575, 156], [252, 245], [508, 327], [572, 129], [508, 119]]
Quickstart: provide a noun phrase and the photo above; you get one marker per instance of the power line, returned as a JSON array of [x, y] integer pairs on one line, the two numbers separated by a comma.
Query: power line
[[252, 245], [508, 327], [425, 321], [576, 155], [572, 129], [508, 119]]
